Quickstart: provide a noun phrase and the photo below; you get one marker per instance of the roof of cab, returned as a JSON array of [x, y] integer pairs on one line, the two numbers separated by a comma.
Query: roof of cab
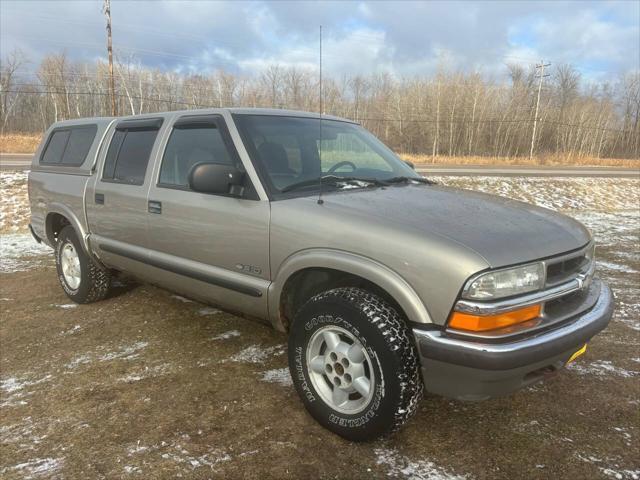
[[204, 111]]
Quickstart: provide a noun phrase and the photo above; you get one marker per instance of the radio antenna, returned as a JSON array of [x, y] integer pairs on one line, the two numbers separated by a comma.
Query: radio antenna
[[320, 201]]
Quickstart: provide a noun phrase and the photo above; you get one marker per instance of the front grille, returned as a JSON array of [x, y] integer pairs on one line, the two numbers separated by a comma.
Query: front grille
[[567, 267]]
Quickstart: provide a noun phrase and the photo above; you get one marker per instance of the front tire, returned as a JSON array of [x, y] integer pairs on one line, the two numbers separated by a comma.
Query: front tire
[[354, 364], [82, 279]]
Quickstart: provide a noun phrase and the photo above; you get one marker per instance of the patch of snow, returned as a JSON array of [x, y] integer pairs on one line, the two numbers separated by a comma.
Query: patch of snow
[[586, 193], [125, 353], [227, 335], [132, 469], [71, 331], [17, 252], [16, 389], [22, 434], [279, 375], [66, 306], [79, 360], [39, 467], [611, 468], [14, 207], [622, 474], [177, 453], [129, 352], [601, 264], [624, 432], [256, 354], [147, 372], [208, 311], [400, 466], [601, 368], [627, 312]]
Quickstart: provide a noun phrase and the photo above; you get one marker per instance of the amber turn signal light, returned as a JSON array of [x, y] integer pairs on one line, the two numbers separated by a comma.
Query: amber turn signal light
[[477, 323]]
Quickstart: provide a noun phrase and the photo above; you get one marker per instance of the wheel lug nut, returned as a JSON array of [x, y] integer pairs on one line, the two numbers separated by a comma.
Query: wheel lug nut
[[329, 368], [347, 378], [337, 381], [345, 363], [333, 356]]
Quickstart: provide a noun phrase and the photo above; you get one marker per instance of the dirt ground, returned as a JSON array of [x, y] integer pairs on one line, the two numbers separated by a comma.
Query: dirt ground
[[147, 384]]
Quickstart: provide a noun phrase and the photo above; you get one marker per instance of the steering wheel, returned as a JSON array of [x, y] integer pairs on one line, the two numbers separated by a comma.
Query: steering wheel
[[342, 164]]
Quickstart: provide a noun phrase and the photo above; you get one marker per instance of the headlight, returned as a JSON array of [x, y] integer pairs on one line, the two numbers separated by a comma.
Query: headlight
[[505, 283]]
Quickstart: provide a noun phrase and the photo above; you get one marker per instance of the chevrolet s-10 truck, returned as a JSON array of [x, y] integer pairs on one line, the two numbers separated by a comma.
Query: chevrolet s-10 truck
[[386, 283]]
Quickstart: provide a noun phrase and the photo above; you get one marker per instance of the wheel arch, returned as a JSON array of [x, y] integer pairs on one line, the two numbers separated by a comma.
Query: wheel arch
[[59, 216], [308, 272]]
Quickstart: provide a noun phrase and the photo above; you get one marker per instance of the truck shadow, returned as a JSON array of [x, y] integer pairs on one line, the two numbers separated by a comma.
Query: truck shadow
[[122, 284]]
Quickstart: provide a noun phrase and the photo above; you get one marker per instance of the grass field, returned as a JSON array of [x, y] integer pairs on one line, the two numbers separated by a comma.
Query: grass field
[[18, 143]]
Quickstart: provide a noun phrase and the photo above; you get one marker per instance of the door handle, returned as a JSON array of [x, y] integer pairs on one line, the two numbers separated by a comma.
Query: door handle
[[99, 198], [155, 206]]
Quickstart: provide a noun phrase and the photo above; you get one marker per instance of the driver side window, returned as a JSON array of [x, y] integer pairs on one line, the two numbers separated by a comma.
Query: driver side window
[[188, 146]]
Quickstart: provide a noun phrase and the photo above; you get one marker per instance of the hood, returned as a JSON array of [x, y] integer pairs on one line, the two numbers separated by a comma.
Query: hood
[[503, 231]]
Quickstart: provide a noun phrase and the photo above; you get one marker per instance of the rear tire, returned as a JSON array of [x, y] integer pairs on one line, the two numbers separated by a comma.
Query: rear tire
[[82, 279], [354, 365]]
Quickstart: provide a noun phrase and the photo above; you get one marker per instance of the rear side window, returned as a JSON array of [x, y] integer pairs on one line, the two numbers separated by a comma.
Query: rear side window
[[188, 146], [129, 152], [69, 146], [78, 146], [55, 147]]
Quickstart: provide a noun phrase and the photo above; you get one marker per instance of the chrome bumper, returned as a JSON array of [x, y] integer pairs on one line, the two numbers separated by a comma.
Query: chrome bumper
[[512, 362]]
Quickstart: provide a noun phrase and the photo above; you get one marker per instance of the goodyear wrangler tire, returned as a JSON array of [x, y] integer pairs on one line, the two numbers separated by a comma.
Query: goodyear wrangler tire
[[81, 278], [354, 364]]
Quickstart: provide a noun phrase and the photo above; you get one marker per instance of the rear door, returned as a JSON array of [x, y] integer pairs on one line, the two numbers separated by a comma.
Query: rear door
[[117, 207], [213, 247]]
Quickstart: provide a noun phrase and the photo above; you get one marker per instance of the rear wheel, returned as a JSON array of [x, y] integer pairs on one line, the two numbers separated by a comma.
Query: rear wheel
[[82, 279], [353, 364]]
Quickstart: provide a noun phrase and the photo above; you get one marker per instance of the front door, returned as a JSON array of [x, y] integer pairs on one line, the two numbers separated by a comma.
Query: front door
[[212, 247]]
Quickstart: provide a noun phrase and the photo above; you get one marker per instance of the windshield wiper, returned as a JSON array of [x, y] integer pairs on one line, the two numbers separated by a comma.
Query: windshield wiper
[[331, 180], [422, 180]]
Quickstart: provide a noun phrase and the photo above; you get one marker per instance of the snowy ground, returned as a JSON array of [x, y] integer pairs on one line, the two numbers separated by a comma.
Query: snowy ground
[[147, 384]]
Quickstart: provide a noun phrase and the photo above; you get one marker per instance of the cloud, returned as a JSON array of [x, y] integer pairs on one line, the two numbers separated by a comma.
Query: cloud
[[402, 38]]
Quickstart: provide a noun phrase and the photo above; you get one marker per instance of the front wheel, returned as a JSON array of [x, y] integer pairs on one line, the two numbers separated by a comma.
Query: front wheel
[[82, 279], [353, 364]]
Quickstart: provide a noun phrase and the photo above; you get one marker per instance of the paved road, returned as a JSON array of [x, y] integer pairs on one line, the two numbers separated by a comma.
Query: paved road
[[20, 161], [15, 161], [519, 171]]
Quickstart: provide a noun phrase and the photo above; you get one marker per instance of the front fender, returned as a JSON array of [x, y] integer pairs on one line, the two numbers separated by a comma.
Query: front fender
[[364, 267]]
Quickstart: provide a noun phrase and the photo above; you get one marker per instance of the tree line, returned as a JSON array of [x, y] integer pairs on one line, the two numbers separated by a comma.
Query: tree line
[[447, 113]]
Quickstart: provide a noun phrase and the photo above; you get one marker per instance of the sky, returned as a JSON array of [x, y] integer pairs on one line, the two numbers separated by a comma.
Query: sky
[[600, 38]]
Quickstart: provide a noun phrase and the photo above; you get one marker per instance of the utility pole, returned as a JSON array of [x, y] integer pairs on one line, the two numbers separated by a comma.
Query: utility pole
[[112, 85], [540, 66]]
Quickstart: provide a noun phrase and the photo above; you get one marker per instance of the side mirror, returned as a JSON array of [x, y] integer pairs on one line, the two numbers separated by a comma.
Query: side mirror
[[216, 178], [410, 164]]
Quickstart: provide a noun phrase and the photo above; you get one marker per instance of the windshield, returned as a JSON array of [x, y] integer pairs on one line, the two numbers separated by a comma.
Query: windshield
[[287, 152]]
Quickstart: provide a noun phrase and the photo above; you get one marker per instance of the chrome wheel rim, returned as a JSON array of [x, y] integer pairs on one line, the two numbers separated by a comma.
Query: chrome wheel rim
[[340, 370], [70, 264]]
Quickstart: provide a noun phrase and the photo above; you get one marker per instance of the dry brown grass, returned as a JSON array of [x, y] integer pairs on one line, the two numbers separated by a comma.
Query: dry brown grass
[[19, 143], [548, 160]]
